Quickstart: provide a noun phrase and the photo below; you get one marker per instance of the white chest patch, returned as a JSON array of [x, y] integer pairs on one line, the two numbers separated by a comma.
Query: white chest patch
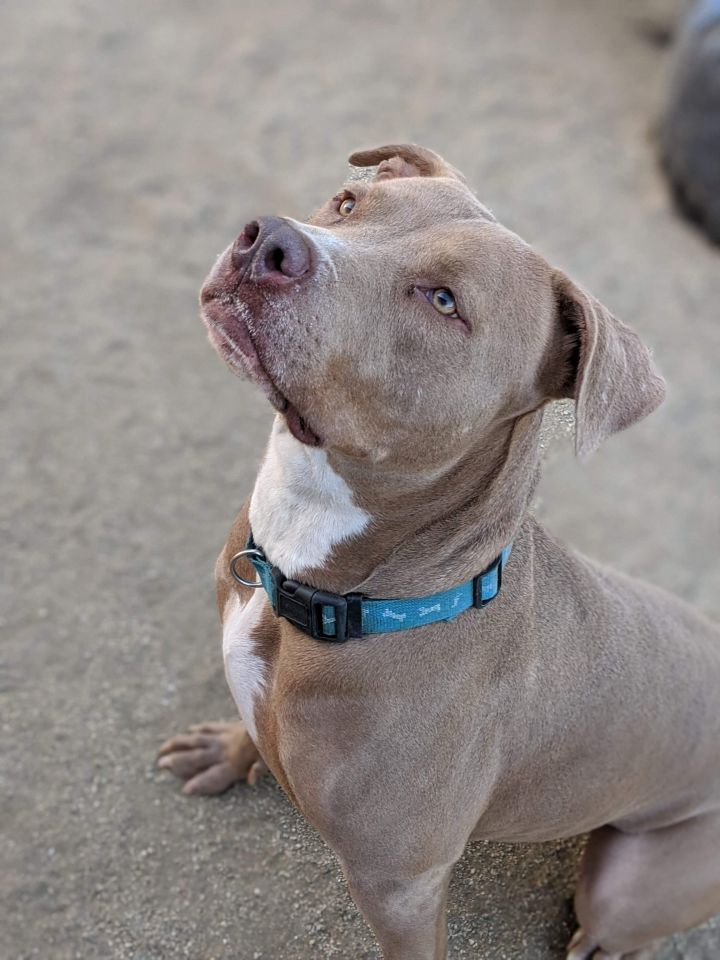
[[300, 507], [244, 669]]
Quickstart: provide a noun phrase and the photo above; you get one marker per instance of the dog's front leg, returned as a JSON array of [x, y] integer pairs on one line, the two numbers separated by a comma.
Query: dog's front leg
[[406, 913], [397, 828]]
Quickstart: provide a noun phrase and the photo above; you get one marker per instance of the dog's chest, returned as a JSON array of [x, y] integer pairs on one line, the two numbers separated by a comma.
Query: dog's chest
[[245, 669], [300, 509]]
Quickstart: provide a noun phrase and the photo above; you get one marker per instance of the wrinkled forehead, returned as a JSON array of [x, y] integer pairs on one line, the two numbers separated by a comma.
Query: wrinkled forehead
[[417, 202], [439, 221]]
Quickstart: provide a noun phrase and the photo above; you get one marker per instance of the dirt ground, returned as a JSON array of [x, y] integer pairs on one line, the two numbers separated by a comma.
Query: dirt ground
[[138, 138]]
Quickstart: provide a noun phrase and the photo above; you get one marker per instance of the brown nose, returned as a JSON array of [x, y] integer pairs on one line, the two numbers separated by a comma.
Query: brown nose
[[270, 249]]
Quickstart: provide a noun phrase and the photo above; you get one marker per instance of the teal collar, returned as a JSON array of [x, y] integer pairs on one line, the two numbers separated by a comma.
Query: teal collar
[[337, 617]]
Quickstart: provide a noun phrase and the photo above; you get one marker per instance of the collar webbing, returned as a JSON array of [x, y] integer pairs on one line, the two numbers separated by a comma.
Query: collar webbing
[[338, 617]]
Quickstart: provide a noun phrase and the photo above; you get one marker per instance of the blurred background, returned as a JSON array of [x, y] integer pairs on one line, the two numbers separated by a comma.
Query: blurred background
[[137, 139]]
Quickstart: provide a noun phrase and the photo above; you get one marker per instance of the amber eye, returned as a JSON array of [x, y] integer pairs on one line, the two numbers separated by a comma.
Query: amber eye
[[346, 207], [443, 301]]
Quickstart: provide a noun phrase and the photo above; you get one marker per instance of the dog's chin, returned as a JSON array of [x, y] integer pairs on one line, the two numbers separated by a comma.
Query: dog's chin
[[232, 341]]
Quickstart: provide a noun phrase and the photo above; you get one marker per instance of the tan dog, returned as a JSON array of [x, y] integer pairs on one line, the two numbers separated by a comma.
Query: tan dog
[[409, 343]]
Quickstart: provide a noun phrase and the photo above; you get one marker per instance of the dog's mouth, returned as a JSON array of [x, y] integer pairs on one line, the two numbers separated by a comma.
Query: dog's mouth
[[230, 334]]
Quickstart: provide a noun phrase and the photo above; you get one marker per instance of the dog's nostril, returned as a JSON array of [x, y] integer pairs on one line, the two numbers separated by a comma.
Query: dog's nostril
[[244, 243], [248, 237], [270, 248], [273, 259]]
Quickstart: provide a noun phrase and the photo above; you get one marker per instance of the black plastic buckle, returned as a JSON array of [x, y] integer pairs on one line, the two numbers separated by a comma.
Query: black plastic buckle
[[477, 583], [303, 607]]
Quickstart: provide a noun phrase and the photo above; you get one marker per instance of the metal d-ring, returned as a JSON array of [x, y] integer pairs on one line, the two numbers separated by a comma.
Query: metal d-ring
[[246, 553]]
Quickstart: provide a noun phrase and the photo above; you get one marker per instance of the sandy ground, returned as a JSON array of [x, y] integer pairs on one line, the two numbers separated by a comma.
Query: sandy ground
[[137, 139]]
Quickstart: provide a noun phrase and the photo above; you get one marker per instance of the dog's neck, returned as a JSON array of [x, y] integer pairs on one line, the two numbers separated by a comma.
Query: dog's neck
[[343, 525], [301, 508]]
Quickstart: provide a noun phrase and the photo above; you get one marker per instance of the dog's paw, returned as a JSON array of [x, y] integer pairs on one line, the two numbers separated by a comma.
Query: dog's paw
[[211, 757], [582, 947]]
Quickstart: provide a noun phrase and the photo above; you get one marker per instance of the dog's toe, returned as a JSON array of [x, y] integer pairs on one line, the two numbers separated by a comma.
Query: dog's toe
[[212, 757], [581, 947]]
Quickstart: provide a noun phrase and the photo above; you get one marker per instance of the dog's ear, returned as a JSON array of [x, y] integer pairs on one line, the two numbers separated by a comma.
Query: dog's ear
[[603, 365], [404, 160]]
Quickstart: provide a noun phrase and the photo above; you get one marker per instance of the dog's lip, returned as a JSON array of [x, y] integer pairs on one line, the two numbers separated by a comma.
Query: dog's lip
[[236, 345], [240, 352], [300, 428]]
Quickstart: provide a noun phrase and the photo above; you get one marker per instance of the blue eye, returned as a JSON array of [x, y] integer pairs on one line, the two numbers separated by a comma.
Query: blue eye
[[443, 301]]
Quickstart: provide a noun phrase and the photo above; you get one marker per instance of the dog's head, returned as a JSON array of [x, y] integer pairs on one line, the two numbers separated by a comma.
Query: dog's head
[[402, 320]]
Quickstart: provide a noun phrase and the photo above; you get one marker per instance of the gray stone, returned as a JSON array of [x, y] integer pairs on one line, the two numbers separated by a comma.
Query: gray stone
[[690, 125]]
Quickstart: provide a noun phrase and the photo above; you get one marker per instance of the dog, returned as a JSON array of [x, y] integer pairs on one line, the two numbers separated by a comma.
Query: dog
[[413, 656]]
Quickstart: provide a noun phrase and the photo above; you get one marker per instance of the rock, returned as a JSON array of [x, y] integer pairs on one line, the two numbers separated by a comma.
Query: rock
[[690, 126]]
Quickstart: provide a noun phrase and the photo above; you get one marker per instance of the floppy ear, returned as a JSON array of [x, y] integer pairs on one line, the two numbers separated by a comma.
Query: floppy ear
[[608, 369], [404, 160]]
